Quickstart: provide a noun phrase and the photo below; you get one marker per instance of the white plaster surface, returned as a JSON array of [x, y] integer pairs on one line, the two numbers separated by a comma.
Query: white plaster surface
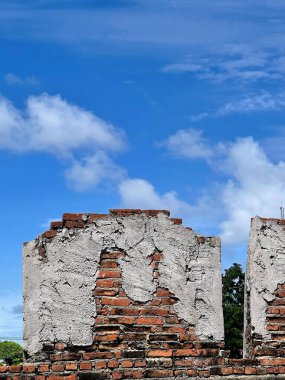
[[58, 301], [265, 269]]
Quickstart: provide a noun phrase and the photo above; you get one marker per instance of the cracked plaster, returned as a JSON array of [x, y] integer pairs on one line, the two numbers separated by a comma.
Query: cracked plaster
[[265, 270], [58, 301]]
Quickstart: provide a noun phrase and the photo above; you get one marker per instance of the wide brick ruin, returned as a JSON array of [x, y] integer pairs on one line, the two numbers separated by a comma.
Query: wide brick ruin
[[136, 295]]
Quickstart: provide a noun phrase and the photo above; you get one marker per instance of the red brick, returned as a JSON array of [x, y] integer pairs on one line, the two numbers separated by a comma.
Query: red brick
[[3, 369], [273, 310], [71, 217], [156, 256], [49, 234], [148, 321], [250, 371], [107, 337], [192, 372], [115, 301], [126, 320], [92, 217], [176, 220], [159, 373], [154, 311], [109, 264], [127, 364], [116, 375], [133, 374], [42, 368], [125, 212], [168, 301], [162, 292], [70, 356], [140, 363], [104, 283], [100, 364], [175, 329], [55, 225], [158, 353], [113, 363], [60, 346], [58, 367], [66, 377], [226, 370], [85, 365], [74, 224], [111, 255], [184, 363], [103, 273], [186, 352], [39, 377], [71, 366], [105, 292], [124, 311], [56, 357], [15, 368], [271, 327], [29, 368]]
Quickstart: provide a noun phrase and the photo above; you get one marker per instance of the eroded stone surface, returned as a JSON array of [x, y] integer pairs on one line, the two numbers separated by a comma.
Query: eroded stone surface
[[58, 300], [265, 270]]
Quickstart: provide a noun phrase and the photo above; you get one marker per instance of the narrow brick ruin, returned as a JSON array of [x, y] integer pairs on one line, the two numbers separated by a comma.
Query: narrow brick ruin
[[134, 294]]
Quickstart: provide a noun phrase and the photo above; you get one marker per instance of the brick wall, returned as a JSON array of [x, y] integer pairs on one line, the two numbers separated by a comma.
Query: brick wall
[[141, 340]]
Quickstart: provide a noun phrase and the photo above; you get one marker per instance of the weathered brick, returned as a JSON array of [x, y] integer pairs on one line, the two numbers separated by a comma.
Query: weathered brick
[[160, 373], [29, 368], [57, 367], [149, 321], [105, 273], [115, 301], [42, 368], [49, 234], [15, 368], [158, 353], [85, 365], [72, 217]]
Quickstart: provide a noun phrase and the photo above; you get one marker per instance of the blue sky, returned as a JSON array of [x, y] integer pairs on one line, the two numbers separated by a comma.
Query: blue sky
[[140, 103]]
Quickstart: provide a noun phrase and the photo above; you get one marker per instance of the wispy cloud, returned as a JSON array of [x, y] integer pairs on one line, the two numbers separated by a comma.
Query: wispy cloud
[[261, 102], [232, 62], [16, 80]]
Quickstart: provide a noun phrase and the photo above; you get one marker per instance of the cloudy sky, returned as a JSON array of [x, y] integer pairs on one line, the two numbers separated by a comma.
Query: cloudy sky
[[175, 104]]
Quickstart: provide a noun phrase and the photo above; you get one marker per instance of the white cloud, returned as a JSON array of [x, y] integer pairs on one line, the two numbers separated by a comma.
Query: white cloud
[[139, 193], [15, 80], [261, 102], [188, 143], [256, 187], [92, 170], [51, 124]]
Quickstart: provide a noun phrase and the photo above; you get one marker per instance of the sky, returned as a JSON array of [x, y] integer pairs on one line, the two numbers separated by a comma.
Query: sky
[[169, 104]]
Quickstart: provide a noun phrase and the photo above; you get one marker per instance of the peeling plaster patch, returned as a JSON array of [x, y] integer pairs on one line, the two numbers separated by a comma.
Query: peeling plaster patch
[[58, 301], [265, 269]]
